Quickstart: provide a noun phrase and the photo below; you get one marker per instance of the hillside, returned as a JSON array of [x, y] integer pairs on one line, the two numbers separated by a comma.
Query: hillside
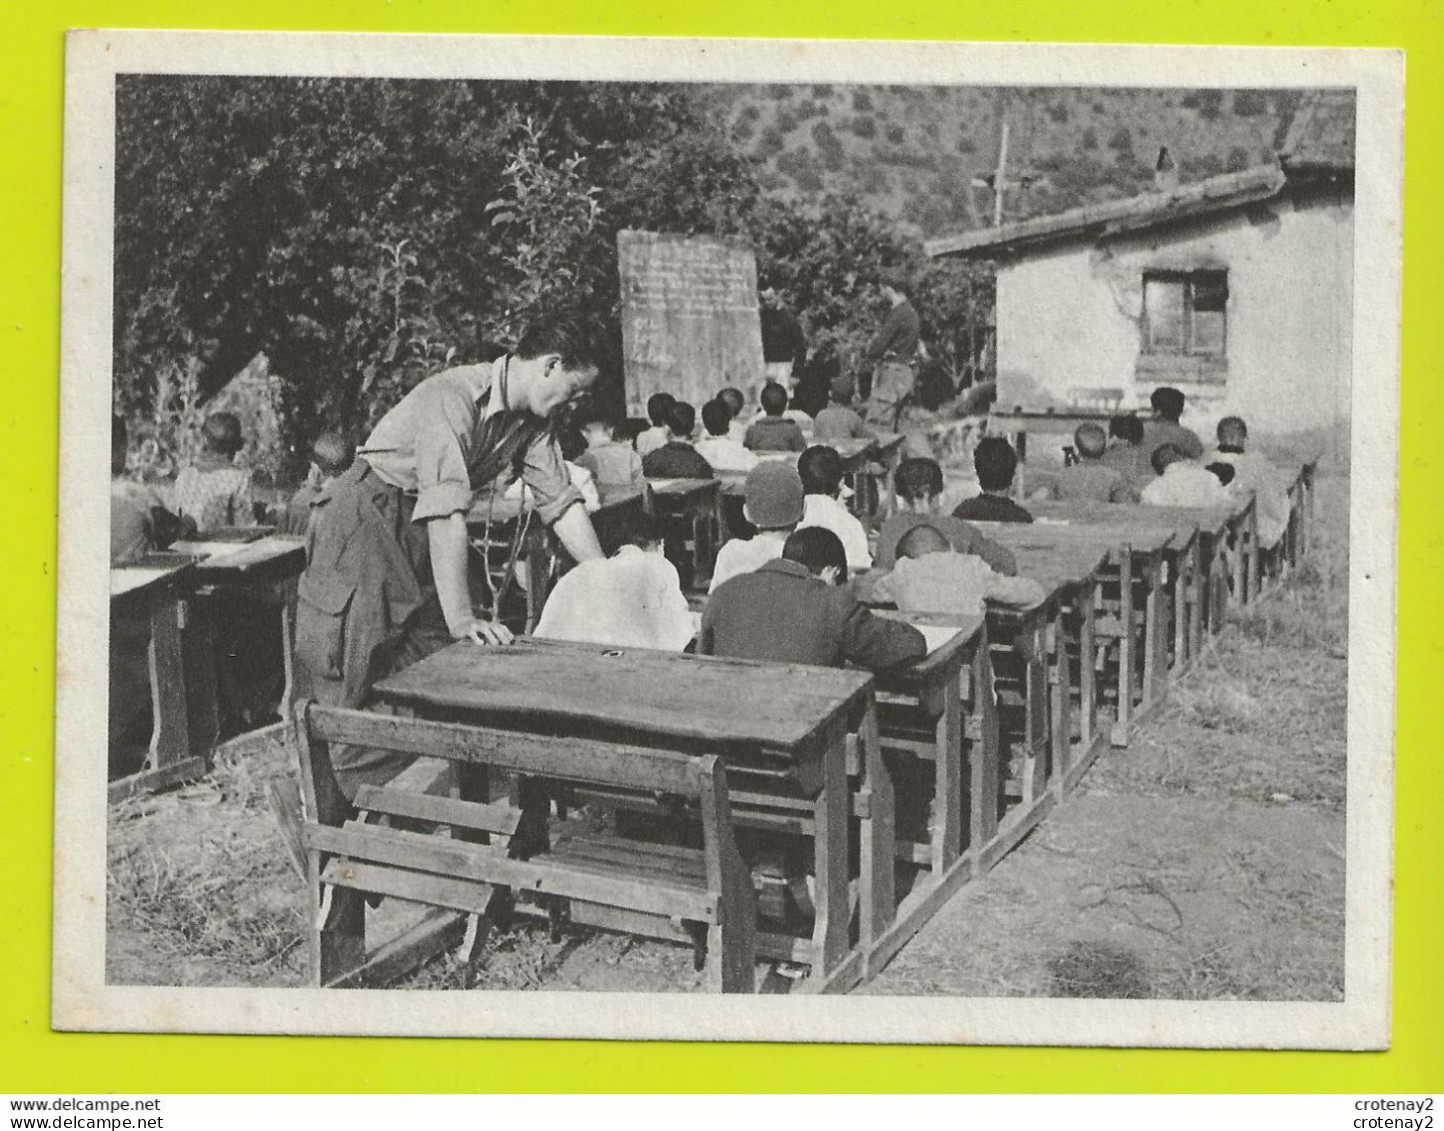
[[912, 152]]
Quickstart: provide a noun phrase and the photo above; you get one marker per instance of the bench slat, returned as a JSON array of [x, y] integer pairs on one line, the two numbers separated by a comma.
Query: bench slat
[[488, 818], [420, 887], [540, 875], [606, 763]]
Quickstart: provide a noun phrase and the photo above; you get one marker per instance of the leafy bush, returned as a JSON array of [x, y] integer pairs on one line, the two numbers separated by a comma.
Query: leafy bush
[[896, 134], [861, 101], [864, 126], [1249, 103], [786, 121]]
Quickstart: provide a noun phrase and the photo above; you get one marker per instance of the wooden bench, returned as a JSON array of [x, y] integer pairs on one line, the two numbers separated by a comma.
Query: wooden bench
[[782, 731], [500, 853]]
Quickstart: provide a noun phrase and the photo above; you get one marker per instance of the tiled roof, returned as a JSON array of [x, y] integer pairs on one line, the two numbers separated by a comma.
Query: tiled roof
[[1322, 132], [1228, 190]]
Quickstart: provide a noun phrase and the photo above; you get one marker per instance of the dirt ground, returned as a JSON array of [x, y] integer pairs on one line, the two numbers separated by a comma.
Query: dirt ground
[[1205, 861]]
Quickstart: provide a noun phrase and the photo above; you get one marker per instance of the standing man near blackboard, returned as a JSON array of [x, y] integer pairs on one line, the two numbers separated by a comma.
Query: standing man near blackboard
[[784, 347], [893, 353]]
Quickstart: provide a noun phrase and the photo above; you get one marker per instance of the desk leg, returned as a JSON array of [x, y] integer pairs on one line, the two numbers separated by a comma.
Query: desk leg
[[1254, 583], [878, 836], [1126, 641], [830, 856], [171, 740], [985, 771], [1155, 652], [1182, 566], [538, 569], [1035, 772], [288, 647], [1087, 686], [1062, 692], [888, 503], [1199, 590], [947, 831]]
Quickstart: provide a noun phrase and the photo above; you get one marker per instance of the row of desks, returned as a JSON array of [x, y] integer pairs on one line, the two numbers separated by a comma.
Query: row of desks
[[170, 593]]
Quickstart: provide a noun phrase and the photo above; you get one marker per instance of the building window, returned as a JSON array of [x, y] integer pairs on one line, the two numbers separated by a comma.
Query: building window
[[1184, 313]]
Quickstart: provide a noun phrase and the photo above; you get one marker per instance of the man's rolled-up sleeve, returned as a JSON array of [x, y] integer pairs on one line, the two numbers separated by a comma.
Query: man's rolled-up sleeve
[[545, 472], [443, 486]]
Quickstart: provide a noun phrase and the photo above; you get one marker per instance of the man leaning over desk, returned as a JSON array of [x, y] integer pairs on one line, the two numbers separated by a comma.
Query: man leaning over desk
[[386, 553]]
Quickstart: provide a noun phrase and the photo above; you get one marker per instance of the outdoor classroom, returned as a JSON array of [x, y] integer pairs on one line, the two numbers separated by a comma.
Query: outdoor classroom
[[705, 598]]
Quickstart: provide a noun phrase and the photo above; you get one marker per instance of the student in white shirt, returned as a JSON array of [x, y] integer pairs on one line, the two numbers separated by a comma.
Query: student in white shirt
[[1182, 483], [718, 448], [631, 600], [1253, 475], [774, 505], [659, 406], [931, 577], [820, 469]]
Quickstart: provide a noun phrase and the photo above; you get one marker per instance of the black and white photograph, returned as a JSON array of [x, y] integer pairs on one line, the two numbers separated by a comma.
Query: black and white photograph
[[728, 540]]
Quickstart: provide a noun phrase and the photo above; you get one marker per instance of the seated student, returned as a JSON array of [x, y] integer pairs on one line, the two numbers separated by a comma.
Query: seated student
[[1090, 479], [837, 421], [774, 504], [820, 469], [1164, 428], [658, 406], [614, 463], [797, 610], [1182, 482], [920, 497], [1253, 475], [995, 463], [734, 400], [931, 577], [631, 600], [1128, 454], [140, 524], [774, 432], [214, 492], [331, 454], [677, 458], [718, 448]]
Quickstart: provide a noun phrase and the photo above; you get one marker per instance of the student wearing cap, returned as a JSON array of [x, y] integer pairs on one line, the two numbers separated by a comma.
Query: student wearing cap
[[1182, 482], [387, 554], [774, 504], [796, 609], [1090, 479], [920, 500], [213, 492], [1253, 475], [631, 600], [1165, 428], [893, 352], [820, 469]]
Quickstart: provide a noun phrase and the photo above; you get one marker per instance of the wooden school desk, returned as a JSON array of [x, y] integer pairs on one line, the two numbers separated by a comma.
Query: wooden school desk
[[1129, 616], [699, 503], [491, 521], [940, 711], [265, 572], [157, 591], [782, 731]]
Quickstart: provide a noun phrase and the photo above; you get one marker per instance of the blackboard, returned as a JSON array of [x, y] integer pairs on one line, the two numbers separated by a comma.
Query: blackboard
[[689, 317]]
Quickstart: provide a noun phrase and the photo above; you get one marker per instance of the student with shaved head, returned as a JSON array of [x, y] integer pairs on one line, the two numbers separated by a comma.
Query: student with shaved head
[[1253, 475], [931, 577], [1090, 479]]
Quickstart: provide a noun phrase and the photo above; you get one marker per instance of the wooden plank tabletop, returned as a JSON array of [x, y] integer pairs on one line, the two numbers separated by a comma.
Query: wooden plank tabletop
[[1138, 515], [1057, 565], [492, 507], [147, 573], [1049, 532], [726, 702], [946, 634], [276, 553], [684, 489]]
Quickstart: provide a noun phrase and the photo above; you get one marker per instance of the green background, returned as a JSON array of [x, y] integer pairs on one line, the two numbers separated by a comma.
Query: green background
[[33, 1059]]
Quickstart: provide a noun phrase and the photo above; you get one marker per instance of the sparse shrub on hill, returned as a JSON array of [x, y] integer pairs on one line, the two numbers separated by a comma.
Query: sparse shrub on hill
[[896, 134], [1089, 140], [1236, 160], [864, 126], [861, 101], [786, 121], [1249, 103], [821, 90], [1058, 113]]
